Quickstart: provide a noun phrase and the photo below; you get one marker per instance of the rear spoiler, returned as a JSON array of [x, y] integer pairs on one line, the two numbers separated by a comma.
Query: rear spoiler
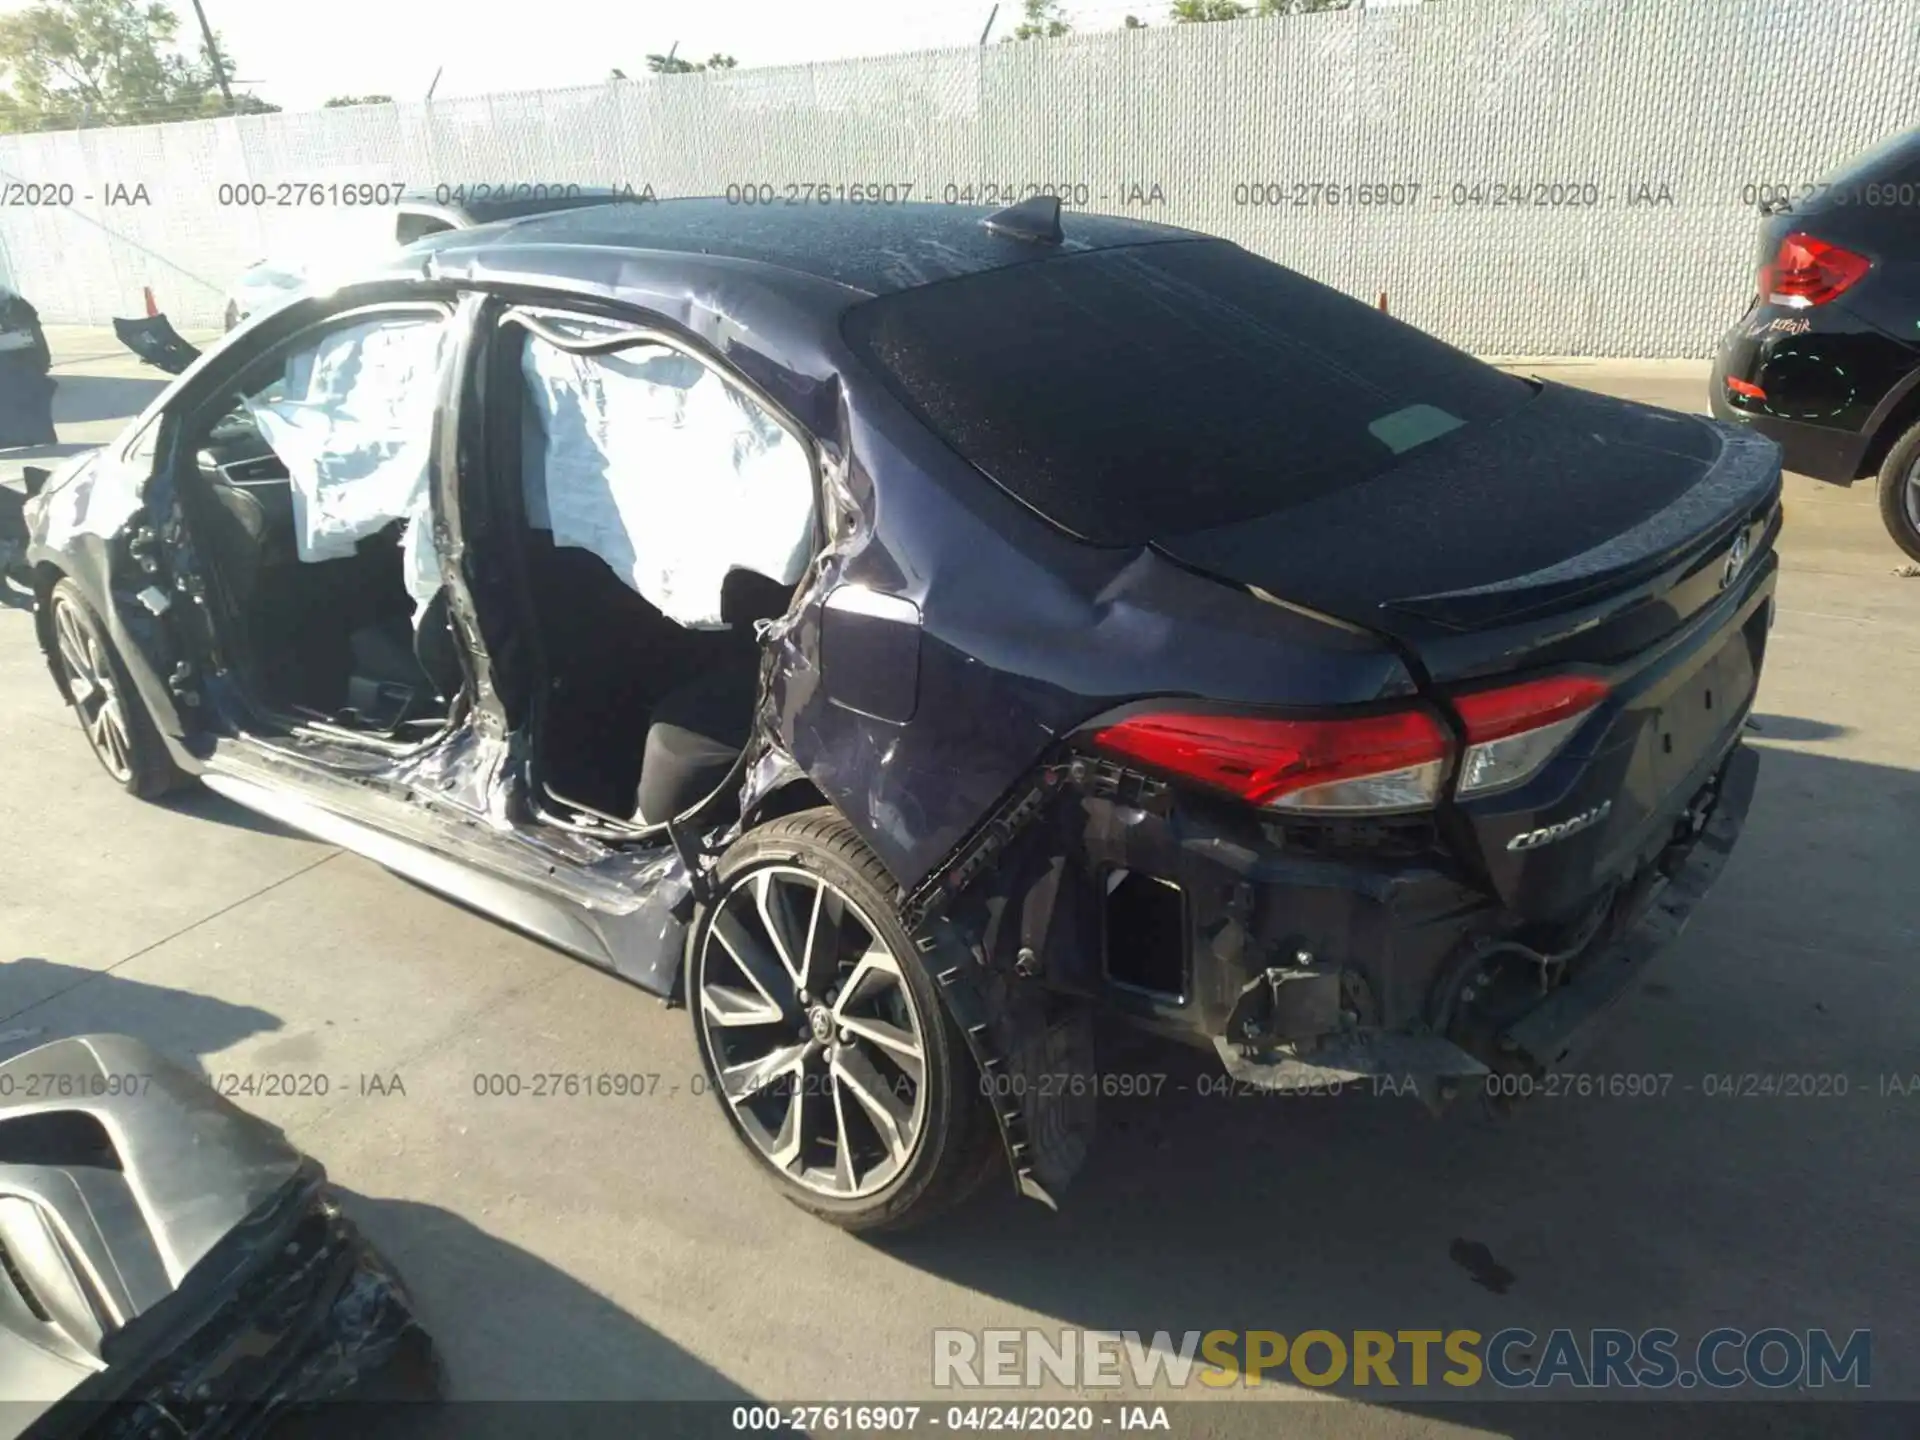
[[155, 341], [1742, 483]]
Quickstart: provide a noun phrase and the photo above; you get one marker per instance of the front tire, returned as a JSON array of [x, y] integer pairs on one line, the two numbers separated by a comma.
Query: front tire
[[824, 1037], [1900, 492], [112, 716]]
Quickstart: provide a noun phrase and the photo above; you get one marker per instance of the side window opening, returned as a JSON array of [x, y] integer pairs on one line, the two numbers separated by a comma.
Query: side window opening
[[671, 475], [668, 512], [320, 525]]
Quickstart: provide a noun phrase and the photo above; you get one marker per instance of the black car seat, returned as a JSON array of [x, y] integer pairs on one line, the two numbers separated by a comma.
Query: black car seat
[[696, 735], [697, 730], [399, 666]]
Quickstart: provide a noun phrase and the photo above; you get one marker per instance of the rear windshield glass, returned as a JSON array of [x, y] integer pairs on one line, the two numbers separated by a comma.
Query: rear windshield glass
[[1133, 394]]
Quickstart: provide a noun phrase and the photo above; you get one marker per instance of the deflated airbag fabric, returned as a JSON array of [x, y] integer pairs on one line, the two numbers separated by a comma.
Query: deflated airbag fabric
[[352, 420], [671, 475]]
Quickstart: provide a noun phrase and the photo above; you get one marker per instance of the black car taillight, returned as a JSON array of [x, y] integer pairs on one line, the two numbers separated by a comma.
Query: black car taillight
[[1348, 764], [1806, 271]]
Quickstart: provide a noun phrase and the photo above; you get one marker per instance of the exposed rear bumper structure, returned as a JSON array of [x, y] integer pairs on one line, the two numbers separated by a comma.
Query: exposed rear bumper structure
[[1548, 1034]]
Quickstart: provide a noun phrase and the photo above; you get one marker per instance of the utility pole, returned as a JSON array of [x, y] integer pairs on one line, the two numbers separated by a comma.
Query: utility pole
[[987, 29], [213, 54]]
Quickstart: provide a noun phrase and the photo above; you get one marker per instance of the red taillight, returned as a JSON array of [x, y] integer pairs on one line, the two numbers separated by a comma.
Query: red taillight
[[1513, 731], [1392, 761], [1746, 388], [1806, 271]]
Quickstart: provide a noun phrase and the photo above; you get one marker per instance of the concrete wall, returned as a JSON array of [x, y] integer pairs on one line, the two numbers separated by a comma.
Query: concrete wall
[[1523, 177]]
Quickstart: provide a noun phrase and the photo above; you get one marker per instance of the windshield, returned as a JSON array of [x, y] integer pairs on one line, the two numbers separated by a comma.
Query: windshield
[[1132, 394]]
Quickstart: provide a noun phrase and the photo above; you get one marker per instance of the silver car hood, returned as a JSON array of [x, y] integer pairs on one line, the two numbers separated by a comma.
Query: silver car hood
[[119, 1171]]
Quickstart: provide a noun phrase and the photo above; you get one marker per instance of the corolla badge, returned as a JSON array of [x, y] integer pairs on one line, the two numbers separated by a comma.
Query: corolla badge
[[1736, 561], [1573, 825]]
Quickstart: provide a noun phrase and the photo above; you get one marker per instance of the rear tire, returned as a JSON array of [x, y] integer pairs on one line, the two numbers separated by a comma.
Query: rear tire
[[111, 713], [775, 978], [1900, 492]]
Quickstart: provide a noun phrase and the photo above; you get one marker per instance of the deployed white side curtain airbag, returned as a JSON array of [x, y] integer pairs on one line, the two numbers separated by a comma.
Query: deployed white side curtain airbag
[[672, 476], [353, 421]]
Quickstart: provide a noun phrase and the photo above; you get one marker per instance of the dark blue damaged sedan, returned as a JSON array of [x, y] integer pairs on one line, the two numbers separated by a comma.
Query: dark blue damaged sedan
[[908, 634]]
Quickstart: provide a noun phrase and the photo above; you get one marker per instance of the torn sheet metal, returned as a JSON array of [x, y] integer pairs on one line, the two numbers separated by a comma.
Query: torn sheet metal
[[352, 420], [661, 468]]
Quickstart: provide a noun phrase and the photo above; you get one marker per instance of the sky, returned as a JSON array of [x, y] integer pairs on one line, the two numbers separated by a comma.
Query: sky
[[297, 53]]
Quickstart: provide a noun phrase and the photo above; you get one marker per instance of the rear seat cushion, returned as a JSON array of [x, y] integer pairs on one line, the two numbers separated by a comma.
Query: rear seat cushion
[[695, 735]]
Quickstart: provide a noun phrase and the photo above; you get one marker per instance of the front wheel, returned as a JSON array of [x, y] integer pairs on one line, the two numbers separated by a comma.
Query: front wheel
[[112, 716], [824, 1037], [1900, 492]]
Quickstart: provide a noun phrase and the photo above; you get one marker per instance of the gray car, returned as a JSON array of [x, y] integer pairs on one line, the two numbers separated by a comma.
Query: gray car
[[172, 1265]]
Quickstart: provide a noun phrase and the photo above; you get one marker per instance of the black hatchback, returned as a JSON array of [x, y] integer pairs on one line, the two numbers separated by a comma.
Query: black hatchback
[[908, 633], [1826, 361]]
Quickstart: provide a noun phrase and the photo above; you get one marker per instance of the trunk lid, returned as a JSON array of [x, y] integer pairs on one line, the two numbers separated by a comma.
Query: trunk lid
[[1626, 543], [1578, 528]]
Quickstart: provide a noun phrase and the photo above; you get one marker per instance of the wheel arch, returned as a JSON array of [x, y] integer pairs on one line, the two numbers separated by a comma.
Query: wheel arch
[[1898, 413], [45, 576]]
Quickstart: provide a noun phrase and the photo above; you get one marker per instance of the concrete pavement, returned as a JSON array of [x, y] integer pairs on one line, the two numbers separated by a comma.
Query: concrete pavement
[[606, 1248]]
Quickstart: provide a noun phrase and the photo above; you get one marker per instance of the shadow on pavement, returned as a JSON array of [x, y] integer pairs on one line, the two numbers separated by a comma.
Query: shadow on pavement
[[203, 804], [1796, 727], [177, 1023], [1699, 1203], [81, 399], [510, 1326]]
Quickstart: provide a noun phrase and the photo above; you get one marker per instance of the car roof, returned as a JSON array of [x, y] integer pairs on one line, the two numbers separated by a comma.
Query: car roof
[[878, 249], [483, 205]]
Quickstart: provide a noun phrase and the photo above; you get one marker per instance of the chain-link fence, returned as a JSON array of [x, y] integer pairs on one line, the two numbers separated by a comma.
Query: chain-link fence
[[1523, 177]]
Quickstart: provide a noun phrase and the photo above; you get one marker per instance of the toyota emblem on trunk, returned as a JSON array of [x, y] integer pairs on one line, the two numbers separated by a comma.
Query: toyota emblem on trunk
[[1736, 561]]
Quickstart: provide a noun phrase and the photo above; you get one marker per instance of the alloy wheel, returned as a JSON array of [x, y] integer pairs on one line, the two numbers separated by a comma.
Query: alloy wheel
[[1913, 495], [817, 1044], [96, 699]]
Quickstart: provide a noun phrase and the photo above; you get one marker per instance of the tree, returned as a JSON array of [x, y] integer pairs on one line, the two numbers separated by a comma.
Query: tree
[[341, 100], [1134, 22], [671, 64], [1046, 20], [1198, 12], [1191, 12], [66, 63]]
